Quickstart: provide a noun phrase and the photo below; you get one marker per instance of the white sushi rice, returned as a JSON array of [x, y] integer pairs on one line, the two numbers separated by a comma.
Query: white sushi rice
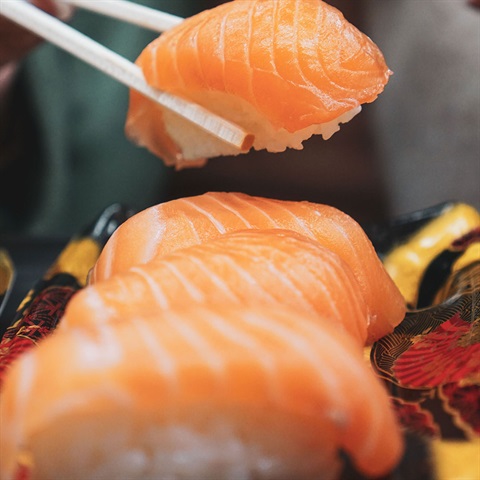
[[196, 143], [200, 445]]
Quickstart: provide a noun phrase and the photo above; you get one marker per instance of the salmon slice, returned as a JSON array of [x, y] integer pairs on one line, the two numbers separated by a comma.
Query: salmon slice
[[250, 267], [180, 223], [220, 392], [281, 69]]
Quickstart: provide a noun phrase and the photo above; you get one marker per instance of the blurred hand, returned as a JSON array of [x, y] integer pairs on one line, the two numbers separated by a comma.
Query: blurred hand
[[15, 41]]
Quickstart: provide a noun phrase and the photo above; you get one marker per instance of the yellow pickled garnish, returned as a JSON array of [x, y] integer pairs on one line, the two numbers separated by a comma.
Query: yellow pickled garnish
[[407, 262]]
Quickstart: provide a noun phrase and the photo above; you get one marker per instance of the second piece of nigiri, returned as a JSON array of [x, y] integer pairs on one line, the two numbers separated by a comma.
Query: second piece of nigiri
[[167, 227], [281, 69], [249, 268]]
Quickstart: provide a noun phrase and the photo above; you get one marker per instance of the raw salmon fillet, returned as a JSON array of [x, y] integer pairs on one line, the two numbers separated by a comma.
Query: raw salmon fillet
[[180, 223], [252, 267], [201, 393], [281, 69]]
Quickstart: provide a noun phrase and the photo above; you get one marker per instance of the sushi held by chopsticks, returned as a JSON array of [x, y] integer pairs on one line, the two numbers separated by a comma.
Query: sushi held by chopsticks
[[281, 69]]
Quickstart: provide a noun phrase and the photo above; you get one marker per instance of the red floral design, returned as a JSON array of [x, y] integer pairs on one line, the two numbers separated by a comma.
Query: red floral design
[[449, 353], [464, 403], [413, 417], [39, 321]]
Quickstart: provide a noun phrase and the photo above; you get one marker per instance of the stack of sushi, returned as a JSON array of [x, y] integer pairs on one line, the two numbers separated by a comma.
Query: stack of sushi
[[222, 336]]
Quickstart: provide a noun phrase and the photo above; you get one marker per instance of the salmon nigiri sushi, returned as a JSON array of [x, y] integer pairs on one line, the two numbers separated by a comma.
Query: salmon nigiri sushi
[[281, 69], [250, 267], [200, 393], [180, 223]]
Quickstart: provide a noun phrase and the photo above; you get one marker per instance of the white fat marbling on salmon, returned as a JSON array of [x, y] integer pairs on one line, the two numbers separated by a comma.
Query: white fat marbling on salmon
[[194, 41], [191, 289], [233, 332], [272, 222], [249, 279], [100, 309], [296, 219], [154, 72], [220, 48], [88, 354], [156, 290], [219, 282], [153, 234], [294, 290], [304, 348], [193, 230], [337, 280], [248, 56], [228, 207], [218, 225], [327, 290], [164, 360], [201, 344]]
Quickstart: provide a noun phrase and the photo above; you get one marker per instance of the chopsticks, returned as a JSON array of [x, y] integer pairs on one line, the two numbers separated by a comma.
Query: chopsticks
[[118, 67], [129, 12]]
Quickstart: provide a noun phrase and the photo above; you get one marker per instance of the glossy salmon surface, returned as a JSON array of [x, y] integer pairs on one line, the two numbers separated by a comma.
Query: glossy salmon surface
[[171, 226], [273, 67], [249, 268], [278, 380]]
